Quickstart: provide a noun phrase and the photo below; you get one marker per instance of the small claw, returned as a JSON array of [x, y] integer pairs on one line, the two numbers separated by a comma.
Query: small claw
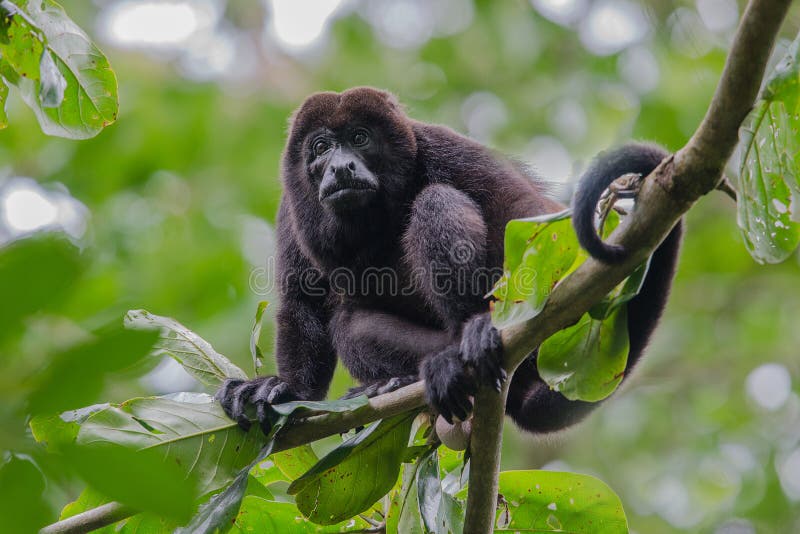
[[278, 390], [498, 386], [262, 412]]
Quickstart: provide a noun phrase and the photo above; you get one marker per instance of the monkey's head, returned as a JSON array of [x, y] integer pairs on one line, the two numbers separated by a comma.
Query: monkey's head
[[350, 151]]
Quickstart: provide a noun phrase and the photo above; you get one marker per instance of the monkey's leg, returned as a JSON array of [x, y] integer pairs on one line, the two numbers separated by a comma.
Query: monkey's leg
[[537, 408]]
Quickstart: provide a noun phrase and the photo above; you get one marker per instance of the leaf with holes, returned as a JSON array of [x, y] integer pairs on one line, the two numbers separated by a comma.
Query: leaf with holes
[[61, 75], [194, 353], [769, 168]]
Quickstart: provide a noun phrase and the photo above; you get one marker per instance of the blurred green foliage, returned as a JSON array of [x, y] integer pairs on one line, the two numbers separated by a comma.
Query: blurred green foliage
[[182, 191]]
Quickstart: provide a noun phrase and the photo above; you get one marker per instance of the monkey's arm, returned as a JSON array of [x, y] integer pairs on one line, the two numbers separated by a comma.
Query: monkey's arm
[[303, 350]]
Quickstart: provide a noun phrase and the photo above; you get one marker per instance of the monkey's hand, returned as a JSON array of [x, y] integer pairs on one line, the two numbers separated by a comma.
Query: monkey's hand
[[236, 395], [380, 387], [449, 384], [482, 351]]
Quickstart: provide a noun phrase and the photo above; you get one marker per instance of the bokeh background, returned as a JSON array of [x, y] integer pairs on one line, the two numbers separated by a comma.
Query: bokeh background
[[174, 205]]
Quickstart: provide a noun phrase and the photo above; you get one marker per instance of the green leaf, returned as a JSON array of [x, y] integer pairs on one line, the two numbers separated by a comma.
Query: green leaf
[[261, 515], [769, 169], [548, 501], [587, 360], [89, 100], [35, 275], [403, 514], [22, 504], [74, 377], [538, 253], [3, 100], [194, 353], [58, 432], [440, 511], [255, 334], [140, 478], [189, 430], [352, 477], [294, 462]]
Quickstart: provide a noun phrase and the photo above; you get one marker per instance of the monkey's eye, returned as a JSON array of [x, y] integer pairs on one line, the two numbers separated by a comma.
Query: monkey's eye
[[320, 147], [360, 138]]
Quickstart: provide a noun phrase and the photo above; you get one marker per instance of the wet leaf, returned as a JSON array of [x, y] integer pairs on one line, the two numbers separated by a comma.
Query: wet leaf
[[769, 168]]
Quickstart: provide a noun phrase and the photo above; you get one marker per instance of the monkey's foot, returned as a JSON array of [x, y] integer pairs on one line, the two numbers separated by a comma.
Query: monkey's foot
[[482, 350], [236, 395], [448, 384], [380, 387]]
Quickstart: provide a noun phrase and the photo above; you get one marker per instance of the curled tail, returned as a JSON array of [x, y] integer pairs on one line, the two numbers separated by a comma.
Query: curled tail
[[638, 158]]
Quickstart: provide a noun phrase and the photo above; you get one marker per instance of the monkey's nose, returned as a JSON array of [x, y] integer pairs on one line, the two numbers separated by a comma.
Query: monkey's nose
[[345, 171]]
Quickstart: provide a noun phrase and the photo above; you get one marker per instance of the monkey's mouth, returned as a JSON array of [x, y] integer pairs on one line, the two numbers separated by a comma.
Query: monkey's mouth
[[348, 194]]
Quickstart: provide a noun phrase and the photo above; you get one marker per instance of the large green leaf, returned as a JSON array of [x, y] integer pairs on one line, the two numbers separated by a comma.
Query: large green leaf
[[194, 353], [538, 252], [58, 432], [47, 55], [35, 275], [143, 479], [548, 501], [75, 377], [190, 430], [22, 504], [769, 169], [352, 477], [586, 361]]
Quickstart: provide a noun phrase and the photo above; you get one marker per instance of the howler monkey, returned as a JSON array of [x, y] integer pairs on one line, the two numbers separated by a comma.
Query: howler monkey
[[390, 234]]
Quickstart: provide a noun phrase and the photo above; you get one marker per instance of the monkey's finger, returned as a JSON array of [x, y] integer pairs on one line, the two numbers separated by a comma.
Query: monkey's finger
[[241, 396], [225, 395], [263, 413], [279, 392]]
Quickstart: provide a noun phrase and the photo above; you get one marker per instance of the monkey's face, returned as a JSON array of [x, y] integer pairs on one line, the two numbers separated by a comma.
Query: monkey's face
[[338, 165], [350, 151]]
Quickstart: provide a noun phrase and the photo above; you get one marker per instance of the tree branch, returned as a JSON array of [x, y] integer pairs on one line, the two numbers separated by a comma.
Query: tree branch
[[665, 196]]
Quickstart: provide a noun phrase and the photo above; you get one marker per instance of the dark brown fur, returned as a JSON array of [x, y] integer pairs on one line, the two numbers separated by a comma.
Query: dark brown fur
[[438, 191]]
